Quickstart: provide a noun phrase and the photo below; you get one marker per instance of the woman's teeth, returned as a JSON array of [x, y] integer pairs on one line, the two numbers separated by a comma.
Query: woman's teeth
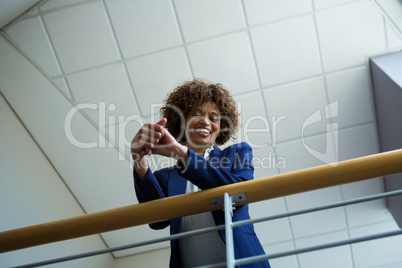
[[202, 130]]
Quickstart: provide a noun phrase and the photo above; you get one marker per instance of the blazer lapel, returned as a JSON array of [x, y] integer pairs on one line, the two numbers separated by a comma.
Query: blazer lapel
[[216, 157], [176, 184], [216, 153]]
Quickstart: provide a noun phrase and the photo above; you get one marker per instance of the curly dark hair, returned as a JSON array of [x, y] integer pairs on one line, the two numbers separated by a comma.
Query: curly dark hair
[[192, 93]]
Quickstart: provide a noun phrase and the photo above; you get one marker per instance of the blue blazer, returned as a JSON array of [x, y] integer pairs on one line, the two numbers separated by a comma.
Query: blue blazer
[[233, 164]]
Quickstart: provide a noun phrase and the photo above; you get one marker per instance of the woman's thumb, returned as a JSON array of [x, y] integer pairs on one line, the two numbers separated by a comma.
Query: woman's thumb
[[162, 122]]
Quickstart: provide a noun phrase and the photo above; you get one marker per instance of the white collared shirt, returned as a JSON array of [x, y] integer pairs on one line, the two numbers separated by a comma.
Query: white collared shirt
[[205, 248]]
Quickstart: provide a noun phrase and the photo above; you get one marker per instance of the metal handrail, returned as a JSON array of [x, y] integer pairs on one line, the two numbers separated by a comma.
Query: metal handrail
[[259, 258], [178, 206], [216, 228], [235, 224]]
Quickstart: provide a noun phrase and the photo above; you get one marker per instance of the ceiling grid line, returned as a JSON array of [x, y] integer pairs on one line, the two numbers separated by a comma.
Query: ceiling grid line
[[260, 90], [56, 57], [324, 77], [386, 15], [40, 12], [291, 230], [183, 40], [124, 62]]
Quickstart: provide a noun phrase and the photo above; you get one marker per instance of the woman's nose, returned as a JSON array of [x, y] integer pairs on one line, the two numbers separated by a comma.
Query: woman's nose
[[205, 120]]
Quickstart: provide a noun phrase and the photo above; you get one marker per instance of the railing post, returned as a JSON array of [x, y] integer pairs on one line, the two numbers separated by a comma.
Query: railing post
[[230, 258]]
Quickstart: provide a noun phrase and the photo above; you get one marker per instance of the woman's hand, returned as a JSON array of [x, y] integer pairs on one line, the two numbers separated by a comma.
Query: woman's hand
[[146, 139], [168, 145], [143, 143], [155, 139]]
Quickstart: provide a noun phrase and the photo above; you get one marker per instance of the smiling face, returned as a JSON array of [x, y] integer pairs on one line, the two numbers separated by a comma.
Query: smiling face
[[203, 124]]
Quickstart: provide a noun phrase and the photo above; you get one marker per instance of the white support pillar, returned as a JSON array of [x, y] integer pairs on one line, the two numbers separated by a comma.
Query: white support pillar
[[230, 258]]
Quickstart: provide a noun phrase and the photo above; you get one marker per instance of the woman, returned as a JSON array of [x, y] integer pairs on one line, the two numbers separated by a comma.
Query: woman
[[197, 117]]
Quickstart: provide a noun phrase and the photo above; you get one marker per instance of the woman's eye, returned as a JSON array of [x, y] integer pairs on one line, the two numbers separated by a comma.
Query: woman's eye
[[214, 119]]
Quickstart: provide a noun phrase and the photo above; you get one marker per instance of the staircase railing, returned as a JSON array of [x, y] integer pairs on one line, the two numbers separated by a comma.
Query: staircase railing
[[280, 185]]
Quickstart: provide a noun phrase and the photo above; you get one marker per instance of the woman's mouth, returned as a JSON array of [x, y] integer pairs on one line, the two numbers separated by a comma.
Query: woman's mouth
[[203, 132]]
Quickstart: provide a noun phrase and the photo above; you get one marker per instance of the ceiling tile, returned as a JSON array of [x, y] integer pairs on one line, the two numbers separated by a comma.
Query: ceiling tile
[[143, 26], [263, 11], [349, 33], [81, 42], [169, 69], [268, 207], [362, 188], [255, 126], [108, 88], [380, 250], [286, 50], [394, 38], [393, 9], [51, 4], [357, 141], [61, 85], [201, 19], [320, 239], [227, 60], [374, 229], [352, 91], [368, 213], [30, 36], [339, 256], [266, 162], [290, 107], [314, 198], [12, 10], [272, 231], [317, 223], [320, 4], [305, 153], [128, 236], [289, 261]]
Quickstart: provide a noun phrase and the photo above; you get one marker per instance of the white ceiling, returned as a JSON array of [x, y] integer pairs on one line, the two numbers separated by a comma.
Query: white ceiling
[[11, 9], [281, 60]]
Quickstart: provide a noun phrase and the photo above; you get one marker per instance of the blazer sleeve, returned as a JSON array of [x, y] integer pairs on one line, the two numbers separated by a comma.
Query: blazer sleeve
[[151, 188], [231, 167]]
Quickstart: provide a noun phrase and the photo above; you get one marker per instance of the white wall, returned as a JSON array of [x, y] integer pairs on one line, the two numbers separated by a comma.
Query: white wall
[[32, 193], [152, 259]]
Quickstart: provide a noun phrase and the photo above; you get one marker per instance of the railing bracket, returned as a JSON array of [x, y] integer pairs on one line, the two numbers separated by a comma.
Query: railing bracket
[[216, 202]]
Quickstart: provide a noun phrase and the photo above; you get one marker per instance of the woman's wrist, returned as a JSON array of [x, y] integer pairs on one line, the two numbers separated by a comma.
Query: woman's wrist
[[182, 154], [141, 168]]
